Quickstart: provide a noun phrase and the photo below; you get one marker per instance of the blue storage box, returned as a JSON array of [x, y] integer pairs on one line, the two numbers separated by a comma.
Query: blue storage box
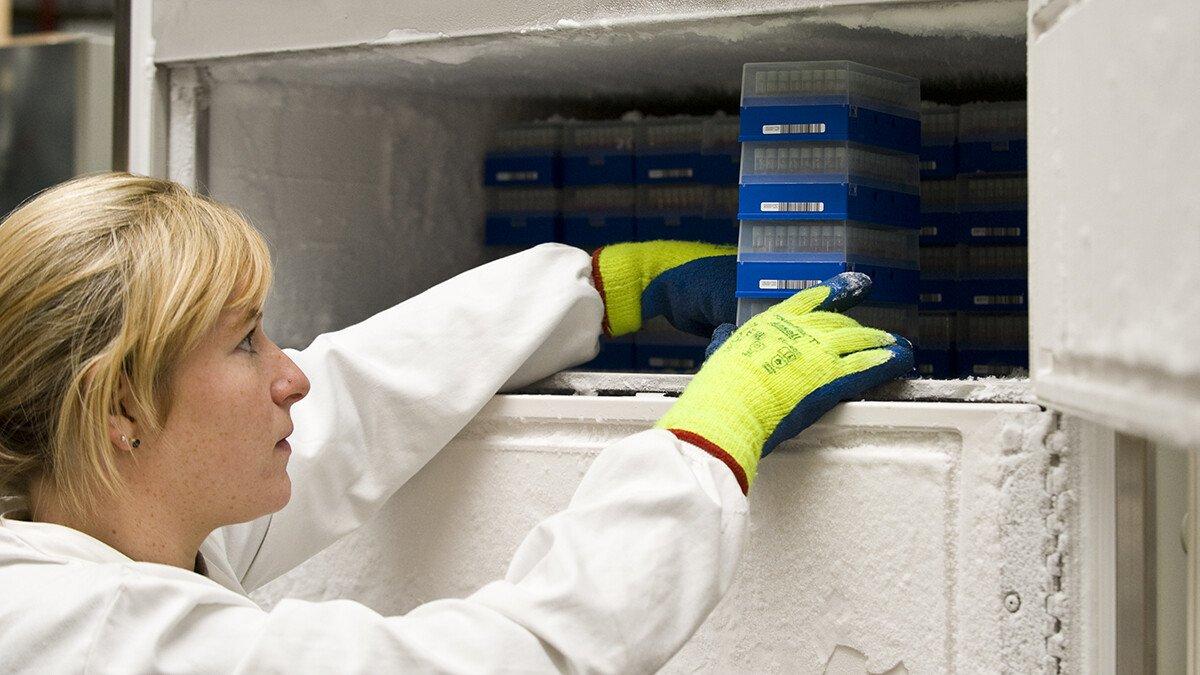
[[830, 100], [937, 364], [660, 347], [828, 181], [992, 138], [521, 216], [597, 216], [939, 213], [939, 277], [721, 216], [899, 319], [993, 210], [525, 156], [678, 212], [669, 150], [993, 279], [994, 344], [993, 362], [598, 153], [937, 330], [939, 133], [615, 354], [721, 153], [779, 258]]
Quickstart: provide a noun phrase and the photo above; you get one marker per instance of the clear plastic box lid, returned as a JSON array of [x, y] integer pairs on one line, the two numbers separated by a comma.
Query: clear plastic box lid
[[996, 260], [724, 200], [607, 135], [673, 198], [939, 196], [827, 162], [985, 190], [991, 121], [780, 241], [599, 198], [939, 123], [669, 133], [940, 261], [508, 200], [721, 132], [899, 319], [998, 330], [936, 327], [533, 136], [830, 83]]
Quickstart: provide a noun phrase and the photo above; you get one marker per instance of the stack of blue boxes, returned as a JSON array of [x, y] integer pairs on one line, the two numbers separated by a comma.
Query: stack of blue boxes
[[829, 183], [522, 176], [973, 242], [940, 253], [589, 184]]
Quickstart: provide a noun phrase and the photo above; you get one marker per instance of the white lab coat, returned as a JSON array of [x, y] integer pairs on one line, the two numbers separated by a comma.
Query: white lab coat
[[617, 582]]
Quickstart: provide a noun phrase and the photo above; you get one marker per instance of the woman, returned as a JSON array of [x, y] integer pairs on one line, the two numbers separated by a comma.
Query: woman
[[171, 458]]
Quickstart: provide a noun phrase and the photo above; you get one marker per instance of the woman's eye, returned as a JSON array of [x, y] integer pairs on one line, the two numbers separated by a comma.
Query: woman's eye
[[248, 341]]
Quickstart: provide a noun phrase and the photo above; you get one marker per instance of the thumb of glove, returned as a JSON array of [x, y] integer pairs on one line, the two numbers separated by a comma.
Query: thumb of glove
[[719, 336]]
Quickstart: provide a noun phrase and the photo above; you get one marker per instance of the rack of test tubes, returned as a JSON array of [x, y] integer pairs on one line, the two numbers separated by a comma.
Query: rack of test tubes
[[829, 183], [973, 241]]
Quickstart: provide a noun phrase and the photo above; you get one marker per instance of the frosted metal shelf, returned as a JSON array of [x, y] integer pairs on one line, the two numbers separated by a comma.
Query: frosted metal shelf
[[977, 390], [517, 52]]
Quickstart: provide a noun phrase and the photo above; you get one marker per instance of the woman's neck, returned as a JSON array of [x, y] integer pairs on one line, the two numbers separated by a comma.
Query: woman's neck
[[142, 530]]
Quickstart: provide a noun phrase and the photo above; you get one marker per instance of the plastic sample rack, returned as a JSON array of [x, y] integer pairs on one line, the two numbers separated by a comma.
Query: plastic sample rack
[[830, 100]]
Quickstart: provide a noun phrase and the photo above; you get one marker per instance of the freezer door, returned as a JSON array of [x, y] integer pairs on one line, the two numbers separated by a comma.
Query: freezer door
[[1114, 216]]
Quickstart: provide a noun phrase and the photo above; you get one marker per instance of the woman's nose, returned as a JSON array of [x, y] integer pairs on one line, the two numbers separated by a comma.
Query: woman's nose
[[293, 384]]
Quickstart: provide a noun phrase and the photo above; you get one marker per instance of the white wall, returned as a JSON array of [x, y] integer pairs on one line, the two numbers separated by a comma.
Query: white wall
[[365, 197]]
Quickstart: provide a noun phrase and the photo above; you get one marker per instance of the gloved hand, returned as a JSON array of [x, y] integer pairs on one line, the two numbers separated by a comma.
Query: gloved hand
[[691, 284], [781, 371]]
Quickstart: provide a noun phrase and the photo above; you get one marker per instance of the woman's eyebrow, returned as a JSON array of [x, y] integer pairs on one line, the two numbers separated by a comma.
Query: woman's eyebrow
[[250, 318]]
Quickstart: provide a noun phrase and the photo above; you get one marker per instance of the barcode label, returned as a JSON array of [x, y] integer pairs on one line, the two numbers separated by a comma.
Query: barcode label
[[676, 364], [515, 176], [995, 231], [808, 128], [931, 297], [929, 231], [670, 173], [987, 369], [791, 207], [999, 299], [786, 284], [929, 165]]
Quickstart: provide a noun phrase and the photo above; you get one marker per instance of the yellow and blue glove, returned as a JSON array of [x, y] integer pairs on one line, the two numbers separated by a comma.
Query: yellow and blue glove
[[691, 284], [780, 371]]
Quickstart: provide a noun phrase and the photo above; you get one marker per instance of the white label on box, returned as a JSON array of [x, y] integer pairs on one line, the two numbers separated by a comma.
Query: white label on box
[[515, 176], [791, 207], [802, 128], [786, 284], [670, 173]]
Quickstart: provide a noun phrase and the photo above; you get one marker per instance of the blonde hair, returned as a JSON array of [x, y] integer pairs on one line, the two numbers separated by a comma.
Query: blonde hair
[[106, 279]]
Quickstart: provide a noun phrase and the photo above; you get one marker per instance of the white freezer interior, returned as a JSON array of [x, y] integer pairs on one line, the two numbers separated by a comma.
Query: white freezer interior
[[362, 164], [895, 533]]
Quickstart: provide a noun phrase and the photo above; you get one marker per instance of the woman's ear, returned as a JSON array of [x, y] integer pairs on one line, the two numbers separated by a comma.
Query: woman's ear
[[122, 426]]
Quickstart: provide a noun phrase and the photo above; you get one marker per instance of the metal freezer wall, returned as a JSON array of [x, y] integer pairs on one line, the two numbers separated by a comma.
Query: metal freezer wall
[[914, 534]]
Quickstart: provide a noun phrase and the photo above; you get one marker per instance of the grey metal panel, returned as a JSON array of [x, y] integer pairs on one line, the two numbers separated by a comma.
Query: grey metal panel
[[38, 85]]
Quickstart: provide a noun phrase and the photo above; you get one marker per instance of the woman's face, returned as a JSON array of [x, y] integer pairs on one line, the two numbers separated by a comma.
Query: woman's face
[[218, 459]]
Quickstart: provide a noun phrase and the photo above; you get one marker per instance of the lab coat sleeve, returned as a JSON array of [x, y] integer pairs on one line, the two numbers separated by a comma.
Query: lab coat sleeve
[[615, 583], [388, 393]]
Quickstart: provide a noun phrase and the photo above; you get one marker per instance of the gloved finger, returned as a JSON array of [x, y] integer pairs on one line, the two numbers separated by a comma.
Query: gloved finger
[[849, 340], [895, 356], [836, 294], [868, 369], [719, 336], [826, 322]]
